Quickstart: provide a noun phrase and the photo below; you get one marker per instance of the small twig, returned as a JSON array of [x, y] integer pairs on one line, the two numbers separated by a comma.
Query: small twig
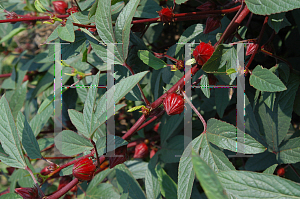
[[196, 111], [36, 183]]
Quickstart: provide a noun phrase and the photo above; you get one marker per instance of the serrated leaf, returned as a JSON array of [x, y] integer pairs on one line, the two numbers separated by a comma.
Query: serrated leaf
[[138, 168], [67, 32], [205, 85], [89, 118], [150, 60], [45, 142], [186, 174], [147, 9], [122, 27], [103, 190], [17, 100], [278, 21], [289, 153], [267, 7], [39, 6], [208, 179], [245, 184], [221, 100], [264, 80], [271, 169], [127, 183], [224, 136], [9, 137], [93, 9], [114, 95], [167, 186], [77, 120], [97, 180], [29, 141], [70, 143], [151, 180], [172, 148]]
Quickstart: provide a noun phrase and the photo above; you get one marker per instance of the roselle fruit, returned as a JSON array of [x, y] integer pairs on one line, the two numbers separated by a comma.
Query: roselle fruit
[[212, 23], [251, 48], [60, 7], [141, 150], [166, 14], [173, 104], [84, 169], [203, 52], [280, 171], [72, 10], [207, 6]]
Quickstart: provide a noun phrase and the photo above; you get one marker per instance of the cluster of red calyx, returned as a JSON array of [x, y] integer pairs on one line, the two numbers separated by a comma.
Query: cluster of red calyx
[[60, 7], [84, 169], [28, 193], [141, 151], [166, 15], [72, 10], [281, 171], [113, 161], [203, 52], [173, 104]]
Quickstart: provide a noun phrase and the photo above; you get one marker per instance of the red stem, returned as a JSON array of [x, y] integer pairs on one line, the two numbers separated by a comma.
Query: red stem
[[257, 46], [64, 190], [43, 18], [225, 11]]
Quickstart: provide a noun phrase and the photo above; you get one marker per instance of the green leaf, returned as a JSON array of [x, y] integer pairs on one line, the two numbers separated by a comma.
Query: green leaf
[[151, 180], [77, 120], [267, 7], [214, 157], [224, 135], [278, 21], [17, 100], [93, 9], [208, 178], [70, 143], [39, 6], [180, 1], [97, 180], [103, 190], [186, 174], [170, 127], [147, 9], [221, 100], [114, 95], [271, 169], [245, 184], [205, 85], [214, 62], [102, 146], [67, 32], [127, 183], [66, 171], [167, 186], [152, 61], [89, 118], [12, 33], [264, 80], [123, 25], [29, 141], [103, 21], [9, 138], [172, 148], [45, 142], [138, 168], [11, 196], [289, 152]]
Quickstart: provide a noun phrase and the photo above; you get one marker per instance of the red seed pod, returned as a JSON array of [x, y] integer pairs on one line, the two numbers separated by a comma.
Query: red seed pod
[[10, 170], [152, 152], [280, 171], [113, 161], [166, 14], [72, 10], [212, 23], [84, 169], [60, 7], [45, 171], [203, 52], [141, 151], [207, 6], [28, 193], [251, 48], [173, 104]]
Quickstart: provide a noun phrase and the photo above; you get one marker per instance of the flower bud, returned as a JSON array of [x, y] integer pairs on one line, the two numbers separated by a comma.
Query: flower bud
[[207, 6], [60, 7], [28, 193], [173, 104], [212, 23], [251, 48], [141, 150], [84, 169]]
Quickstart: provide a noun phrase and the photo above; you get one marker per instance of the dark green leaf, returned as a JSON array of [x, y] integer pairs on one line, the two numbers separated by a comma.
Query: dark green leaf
[[152, 61], [267, 7], [167, 186], [67, 32]]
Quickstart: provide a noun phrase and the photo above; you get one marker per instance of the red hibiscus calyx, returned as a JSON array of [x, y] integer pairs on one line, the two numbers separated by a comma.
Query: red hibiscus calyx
[[84, 169], [207, 6], [72, 10], [251, 48], [212, 23], [60, 7], [203, 52], [141, 150], [166, 14], [28, 193], [281, 171], [121, 156], [173, 104]]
